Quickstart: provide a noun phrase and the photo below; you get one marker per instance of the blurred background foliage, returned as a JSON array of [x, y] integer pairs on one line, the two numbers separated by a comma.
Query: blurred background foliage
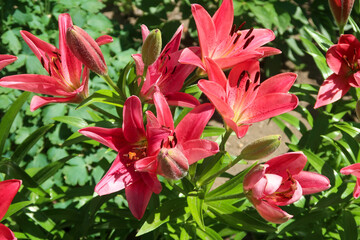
[[59, 172]]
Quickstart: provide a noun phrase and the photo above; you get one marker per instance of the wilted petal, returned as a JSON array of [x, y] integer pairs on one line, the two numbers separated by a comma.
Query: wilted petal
[[6, 233], [312, 182], [138, 196], [8, 190], [6, 60], [332, 89]]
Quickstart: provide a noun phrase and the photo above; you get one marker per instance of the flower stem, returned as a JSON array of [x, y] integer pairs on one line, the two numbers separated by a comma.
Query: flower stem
[[225, 138], [191, 80], [225, 197], [111, 83], [142, 80], [105, 113]]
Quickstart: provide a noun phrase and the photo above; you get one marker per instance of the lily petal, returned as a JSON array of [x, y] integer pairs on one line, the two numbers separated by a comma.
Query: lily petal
[[270, 212], [6, 60], [197, 149], [6, 233], [223, 20], [332, 89], [282, 165], [280, 83], [163, 112], [312, 182], [133, 126], [190, 56], [253, 176], [37, 101], [353, 169], [8, 190], [181, 99], [215, 73], [112, 138], [193, 124], [138, 196]]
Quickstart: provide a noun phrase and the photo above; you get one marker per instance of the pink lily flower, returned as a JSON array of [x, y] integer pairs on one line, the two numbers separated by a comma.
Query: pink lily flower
[[341, 10], [132, 144], [8, 190], [179, 147], [279, 182], [353, 169], [242, 100], [221, 41], [166, 74], [343, 59], [66, 77], [6, 60]]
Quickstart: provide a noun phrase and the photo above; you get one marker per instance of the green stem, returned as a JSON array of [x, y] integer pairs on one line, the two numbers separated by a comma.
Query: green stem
[[225, 138], [190, 81], [221, 171], [111, 83], [142, 80], [226, 197], [179, 189], [109, 115]]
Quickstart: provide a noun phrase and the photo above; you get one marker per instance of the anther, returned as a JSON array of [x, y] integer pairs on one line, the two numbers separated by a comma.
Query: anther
[[166, 51], [173, 71], [237, 38], [247, 85], [248, 42], [175, 138], [241, 25], [249, 33], [49, 68], [42, 62], [232, 30], [165, 70], [257, 76], [241, 76], [162, 143]]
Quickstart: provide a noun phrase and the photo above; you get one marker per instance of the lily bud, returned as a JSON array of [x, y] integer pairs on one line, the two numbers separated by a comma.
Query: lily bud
[[86, 49], [172, 163], [261, 148], [341, 10], [152, 47]]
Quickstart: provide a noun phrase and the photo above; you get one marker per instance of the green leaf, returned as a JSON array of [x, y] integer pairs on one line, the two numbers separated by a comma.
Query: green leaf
[[103, 96], [233, 217], [9, 38], [350, 227], [9, 117], [73, 121], [15, 207], [324, 42], [210, 131], [354, 25], [208, 233], [232, 186], [195, 206], [29, 142], [167, 211]]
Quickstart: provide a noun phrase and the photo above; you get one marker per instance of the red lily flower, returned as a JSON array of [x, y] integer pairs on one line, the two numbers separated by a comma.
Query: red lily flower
[[166, 74], [8, 190], [343, 59], [221, 41], [6, 60], [353, 169], [279, 182], [242, 100], [132, 144], [67, 77], [179, 147]]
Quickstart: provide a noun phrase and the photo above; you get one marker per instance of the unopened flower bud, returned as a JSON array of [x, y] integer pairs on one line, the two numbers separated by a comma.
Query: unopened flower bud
[[341, 10], [152, 47], [172, 163], [261, 148], [86, 49]]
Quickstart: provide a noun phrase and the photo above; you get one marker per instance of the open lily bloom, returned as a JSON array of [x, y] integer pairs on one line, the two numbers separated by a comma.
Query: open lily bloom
[[166, 74], [279, 182], [132, 144], [8, 190], [242, 100], [343, 59], [178, 147], [6, 60], [221, 41], [67, 77], [354, 170]]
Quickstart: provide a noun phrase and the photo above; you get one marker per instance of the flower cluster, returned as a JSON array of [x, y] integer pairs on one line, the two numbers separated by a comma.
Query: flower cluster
[[157, 145]]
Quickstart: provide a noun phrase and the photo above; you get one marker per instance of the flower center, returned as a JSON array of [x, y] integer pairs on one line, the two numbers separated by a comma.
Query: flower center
[[139, 151]]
